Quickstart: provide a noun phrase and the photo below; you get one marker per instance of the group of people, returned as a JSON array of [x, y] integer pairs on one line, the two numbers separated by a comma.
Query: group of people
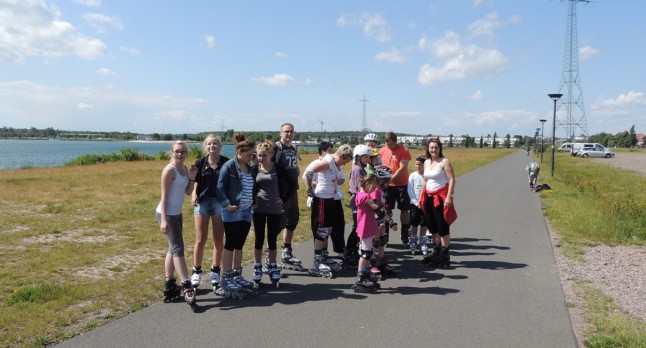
[[259, 186]]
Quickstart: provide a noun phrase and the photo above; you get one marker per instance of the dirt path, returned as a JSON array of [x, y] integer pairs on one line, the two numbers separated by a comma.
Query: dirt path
[[631, 161]]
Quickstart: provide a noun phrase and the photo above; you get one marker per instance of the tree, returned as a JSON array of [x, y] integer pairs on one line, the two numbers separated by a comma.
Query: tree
[[481, 142], [507, 143], [450, 140], [495, 142], [633, 136]]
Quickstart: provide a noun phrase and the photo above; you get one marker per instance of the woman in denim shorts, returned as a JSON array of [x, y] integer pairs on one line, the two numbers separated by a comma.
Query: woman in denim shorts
[[208, 209]]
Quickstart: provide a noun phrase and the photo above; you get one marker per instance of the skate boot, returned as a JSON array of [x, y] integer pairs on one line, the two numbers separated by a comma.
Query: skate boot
[[364, 284], [319, 268], [215, 278], [431, 254], [441, 258], [374, 271], [350, 259], [240, 280], [334, 266], [196, 277], [423, 245], [257, 275], [386, 269], [288, 260], [189, 294], [412, 244], [229, 288], [274, 274], [171, 290]]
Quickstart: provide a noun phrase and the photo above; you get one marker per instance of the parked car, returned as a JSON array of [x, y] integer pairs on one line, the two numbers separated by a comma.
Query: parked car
[[595, 151]]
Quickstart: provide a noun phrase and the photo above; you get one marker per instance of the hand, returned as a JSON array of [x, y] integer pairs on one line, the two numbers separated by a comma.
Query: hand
[[448, 202], [232, 208], [194, 200], [163, 226], [310, 191]]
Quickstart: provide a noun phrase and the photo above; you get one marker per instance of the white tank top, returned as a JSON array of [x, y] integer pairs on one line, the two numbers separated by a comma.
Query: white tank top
[[436, 177], [176, 194]]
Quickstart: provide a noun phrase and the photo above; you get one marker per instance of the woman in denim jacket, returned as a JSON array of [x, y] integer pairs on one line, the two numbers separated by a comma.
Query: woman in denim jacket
[[235, 194]]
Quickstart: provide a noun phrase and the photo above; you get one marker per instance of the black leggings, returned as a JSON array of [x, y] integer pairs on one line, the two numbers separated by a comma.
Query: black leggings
[[235, 233], [434, 217], [331, 215], [272, 221]]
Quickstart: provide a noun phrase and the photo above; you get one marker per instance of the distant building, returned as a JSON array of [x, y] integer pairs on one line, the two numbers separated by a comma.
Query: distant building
[[641, 140]]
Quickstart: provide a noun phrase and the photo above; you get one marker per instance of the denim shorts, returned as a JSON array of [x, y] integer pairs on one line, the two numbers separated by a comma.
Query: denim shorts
[[238, 215], [208, 206]]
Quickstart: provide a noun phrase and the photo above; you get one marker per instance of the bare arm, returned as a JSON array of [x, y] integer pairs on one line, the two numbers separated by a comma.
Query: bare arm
[[448, 169], [403, 166]]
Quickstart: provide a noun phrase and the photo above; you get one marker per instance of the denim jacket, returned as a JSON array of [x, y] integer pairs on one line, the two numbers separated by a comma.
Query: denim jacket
[[230, 183]]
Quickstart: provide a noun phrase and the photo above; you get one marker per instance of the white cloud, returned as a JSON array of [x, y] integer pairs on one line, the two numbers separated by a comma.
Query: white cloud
[[628, 99], [130, 50], [509, 119], [100, 22], [32, 29], [477, 96], [106, 71], [210, 41], [280, 80], [447, 46], [83, 106], [391, 56], [374, 26], [472, 62], [486, 26], [88, 3], [279, 54], [587, 52]]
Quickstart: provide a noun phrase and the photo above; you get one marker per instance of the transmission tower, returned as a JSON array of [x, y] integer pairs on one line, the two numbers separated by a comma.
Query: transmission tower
[[572, 101], [364, 122]]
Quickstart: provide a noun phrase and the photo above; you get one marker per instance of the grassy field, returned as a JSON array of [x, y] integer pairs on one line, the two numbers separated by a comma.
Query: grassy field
[[80, 246], [594, 203]]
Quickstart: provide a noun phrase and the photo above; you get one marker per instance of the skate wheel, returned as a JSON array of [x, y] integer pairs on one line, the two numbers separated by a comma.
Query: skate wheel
[[276, 285]]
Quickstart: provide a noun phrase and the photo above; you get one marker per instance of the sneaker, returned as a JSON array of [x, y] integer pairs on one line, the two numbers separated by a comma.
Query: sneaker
[[196, 278]]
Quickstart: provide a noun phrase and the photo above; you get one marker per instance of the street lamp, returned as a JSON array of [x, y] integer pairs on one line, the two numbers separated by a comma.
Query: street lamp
[[554, 97], [542, 138]]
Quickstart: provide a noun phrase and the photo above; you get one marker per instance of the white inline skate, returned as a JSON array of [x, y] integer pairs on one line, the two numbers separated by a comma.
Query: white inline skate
[[288, 261], [319, 268]]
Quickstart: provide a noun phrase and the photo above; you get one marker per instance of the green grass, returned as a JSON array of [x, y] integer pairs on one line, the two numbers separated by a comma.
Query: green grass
[[594, 203]]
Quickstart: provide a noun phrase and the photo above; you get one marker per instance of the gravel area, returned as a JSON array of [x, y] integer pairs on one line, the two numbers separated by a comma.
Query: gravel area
[[620, 271]]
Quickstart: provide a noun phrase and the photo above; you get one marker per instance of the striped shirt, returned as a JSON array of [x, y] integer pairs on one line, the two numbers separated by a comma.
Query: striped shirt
[[246, 197]]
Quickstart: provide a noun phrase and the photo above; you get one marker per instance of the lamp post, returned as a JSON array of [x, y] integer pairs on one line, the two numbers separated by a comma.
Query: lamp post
[[554, 97], [542, 138]]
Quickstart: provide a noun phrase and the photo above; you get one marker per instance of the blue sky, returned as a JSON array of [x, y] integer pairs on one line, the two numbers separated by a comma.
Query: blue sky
[[441, 67]]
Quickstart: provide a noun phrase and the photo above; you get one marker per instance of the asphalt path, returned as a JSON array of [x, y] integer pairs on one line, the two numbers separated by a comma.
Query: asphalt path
[[501, 290]]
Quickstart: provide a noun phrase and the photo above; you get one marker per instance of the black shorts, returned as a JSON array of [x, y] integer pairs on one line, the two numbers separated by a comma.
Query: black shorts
[[397, 194], [416, 216]]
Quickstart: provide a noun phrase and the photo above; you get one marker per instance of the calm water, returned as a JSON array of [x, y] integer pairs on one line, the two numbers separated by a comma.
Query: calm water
[[52, 153]]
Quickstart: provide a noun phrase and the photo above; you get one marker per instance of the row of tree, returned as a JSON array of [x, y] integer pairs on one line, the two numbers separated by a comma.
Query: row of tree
[[622, 139]]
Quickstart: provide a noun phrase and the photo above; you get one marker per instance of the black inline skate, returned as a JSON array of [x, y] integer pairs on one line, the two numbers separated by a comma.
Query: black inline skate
[[364, 284], [172, 291], [189, 295], [441, 258]]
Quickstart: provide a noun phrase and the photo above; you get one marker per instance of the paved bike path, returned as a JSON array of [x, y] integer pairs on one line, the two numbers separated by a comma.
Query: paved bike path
[[502, 290]]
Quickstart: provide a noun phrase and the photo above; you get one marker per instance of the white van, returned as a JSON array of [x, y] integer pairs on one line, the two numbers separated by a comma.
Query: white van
[[565, 147]]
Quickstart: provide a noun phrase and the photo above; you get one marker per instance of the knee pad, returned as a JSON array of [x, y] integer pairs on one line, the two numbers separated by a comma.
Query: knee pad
[[366, 254], [376, 243], [383, 240], [323, 232]]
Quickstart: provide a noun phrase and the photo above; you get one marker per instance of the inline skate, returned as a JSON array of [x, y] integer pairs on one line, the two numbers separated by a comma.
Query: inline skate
[[350, 259], [386, 269], [240, 280], [274, 274], [412, 244], [257, 275], [172, 291], [288, 261], [229, 288], [432, 253], [334, 266], [196, 277], [423, 245], [319, 268], [189, 294], [364, 284], [441, 258], [215, 278]]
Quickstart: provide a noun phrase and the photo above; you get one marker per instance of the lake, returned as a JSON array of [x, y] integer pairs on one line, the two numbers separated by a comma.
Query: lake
[[53, 153]]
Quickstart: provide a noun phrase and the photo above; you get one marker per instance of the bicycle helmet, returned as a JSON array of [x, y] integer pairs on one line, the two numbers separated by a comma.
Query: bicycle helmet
[[371, 137], [361, 150], [374, 153], [383, 172]]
